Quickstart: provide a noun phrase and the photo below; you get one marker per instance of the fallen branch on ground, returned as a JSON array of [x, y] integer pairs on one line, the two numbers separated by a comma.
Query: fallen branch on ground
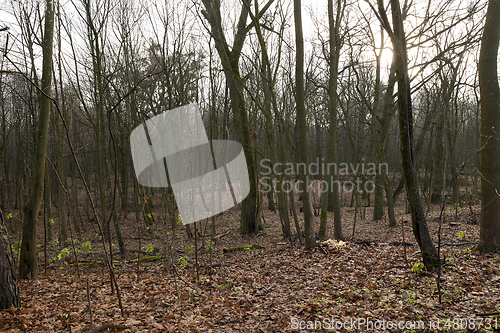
[[243, 248], [147, 259], [488, 314]]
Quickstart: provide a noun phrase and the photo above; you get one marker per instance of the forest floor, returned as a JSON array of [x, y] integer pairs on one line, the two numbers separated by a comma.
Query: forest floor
[[371, 283]]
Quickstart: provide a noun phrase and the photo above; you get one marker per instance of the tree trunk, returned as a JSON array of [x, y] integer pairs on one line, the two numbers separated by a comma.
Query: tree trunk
[[270, 101], [437, 177], [249, 206], [331, 153], [230, 63], [101, 160], [310, 237], [378, 200], [28, 264], [47, 202], [4, 183], [490, 123], [9, 293], [270, 129], [59, 130], [390, 201], [419, 223], [384, 123]]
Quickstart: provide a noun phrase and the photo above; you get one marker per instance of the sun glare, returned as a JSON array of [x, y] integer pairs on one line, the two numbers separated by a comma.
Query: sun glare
[[386, 58]]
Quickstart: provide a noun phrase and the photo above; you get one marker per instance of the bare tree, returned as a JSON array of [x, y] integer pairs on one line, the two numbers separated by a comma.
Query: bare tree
[[335, 44], [28, 264], [310, 237], [490, 124], [230, 57], [419, 223], [268, 82]]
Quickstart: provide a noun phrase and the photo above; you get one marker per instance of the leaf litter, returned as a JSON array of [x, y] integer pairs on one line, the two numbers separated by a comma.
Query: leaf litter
[[271, 289]]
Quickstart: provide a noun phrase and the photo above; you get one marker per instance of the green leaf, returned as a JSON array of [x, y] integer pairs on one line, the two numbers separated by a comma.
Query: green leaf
[[64, 253], [148, 248], [86, 246], [417, 267]]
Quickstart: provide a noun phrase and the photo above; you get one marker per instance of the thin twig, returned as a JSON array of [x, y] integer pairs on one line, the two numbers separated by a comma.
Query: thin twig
[[488, 314]]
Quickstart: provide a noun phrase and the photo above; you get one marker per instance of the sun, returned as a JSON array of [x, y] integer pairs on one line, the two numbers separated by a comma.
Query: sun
[[386, 58]]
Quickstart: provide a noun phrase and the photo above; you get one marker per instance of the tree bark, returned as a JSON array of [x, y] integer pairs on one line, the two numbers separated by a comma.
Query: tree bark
[[269, 103], [9, 293], [101, 146], [490, 125], [383, 124], [230, 63], [28, 264], [310, 237], [419, 223], [59, 130], [331, 153]]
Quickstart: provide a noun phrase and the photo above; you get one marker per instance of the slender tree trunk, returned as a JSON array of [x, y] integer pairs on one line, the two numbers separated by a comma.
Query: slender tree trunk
[[100, 122], [60, 170], [385, 125], [310, 237], [270, 100], [58, 126], [390, 201], [490, 125], [377, 142], [419, 223], [28, 263], [47, 193], [74, 195], [214, 129], [282, 206], [4, 198], [437, 184], [249, 206], [378, 200], [249, 222], [331, 152]]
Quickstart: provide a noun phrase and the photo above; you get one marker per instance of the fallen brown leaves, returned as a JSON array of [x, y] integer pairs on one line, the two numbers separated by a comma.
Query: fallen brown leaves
[[264, 290]]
